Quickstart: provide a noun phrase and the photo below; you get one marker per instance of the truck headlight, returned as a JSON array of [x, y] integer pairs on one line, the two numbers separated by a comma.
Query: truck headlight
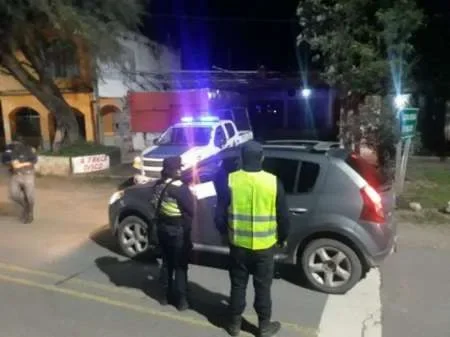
[[190, 161], [137, 163], [115, 197]]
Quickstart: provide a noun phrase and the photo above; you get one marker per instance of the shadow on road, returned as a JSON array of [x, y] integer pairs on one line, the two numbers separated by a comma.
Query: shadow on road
[[145, 277], [103, 237], [291, 274]]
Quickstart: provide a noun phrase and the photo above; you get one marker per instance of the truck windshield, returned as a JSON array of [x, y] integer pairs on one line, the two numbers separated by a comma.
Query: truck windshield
[[191, 136]]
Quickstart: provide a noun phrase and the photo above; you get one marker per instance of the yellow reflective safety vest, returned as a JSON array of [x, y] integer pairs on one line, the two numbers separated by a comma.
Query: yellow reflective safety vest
[[169, 206], [252, 212]]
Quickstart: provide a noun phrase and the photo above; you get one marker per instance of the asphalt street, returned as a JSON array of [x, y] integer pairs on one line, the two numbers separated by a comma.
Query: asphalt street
[[62, 276]]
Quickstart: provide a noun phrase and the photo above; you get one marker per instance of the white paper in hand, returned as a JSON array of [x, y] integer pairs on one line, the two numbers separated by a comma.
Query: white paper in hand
[[205, 190]]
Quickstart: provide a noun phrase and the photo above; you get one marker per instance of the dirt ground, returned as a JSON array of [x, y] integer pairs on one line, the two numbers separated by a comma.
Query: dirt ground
[[83, 203], [67, 213], [65, 199]]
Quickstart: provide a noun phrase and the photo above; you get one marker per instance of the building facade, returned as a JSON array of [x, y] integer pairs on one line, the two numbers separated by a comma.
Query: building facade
[[97, 104], [145, 63]]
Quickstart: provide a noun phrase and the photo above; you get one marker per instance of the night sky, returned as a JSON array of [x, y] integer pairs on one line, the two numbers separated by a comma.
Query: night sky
[[231, 34], [244, 34]]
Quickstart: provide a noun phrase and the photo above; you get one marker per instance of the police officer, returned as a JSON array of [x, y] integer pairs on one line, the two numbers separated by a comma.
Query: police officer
[[21, 159], [174, 220], [252, 211]]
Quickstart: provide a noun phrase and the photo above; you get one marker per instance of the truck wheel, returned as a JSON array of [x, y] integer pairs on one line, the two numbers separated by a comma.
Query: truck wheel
[[133, 238], [331, 266]]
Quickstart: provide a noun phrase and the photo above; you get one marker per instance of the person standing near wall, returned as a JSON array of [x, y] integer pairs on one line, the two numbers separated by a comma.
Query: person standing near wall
[[21, 159]]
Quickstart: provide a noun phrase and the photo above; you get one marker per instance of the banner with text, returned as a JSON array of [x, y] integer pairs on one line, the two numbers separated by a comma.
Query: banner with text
[[87, 164]]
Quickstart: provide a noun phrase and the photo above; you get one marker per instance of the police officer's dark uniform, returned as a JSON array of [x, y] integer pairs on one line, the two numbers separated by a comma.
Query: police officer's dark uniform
[[174, 221], [21, 159], [252, 211]]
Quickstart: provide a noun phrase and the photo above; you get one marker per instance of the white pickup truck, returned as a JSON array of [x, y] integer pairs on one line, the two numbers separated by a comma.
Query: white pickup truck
[[194, 140]]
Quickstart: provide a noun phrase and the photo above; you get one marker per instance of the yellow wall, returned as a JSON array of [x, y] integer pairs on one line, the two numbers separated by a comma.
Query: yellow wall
[[13, 97], [109, 106], [78, 101]]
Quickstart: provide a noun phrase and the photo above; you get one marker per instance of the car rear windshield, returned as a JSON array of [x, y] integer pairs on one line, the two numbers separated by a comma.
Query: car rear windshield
[[365, 170]]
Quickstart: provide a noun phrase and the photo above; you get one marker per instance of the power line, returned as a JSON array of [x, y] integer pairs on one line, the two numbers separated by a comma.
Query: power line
[[222, 19]]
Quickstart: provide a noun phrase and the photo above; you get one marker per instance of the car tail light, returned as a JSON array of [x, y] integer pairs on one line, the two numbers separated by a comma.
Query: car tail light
[[372, 205]]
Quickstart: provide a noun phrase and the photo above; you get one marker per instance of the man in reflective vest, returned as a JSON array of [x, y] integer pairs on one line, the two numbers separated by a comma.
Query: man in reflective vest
[[252, 211], [174, 220]]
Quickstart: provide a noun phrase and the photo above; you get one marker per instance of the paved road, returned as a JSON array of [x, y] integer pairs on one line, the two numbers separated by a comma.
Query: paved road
[[61, 276], [416, 284]]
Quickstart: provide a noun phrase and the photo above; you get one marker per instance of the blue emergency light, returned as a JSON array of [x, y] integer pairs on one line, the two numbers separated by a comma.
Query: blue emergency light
[[187, 119], [200, 119], [209, 119]]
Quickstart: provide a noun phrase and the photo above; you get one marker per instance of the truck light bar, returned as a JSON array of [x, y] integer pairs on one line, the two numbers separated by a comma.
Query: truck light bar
[[187, 119], [209, 119], [200, 119]]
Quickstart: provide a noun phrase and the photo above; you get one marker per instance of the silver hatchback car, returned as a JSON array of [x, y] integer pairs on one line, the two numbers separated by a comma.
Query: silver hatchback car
[[341, 213]]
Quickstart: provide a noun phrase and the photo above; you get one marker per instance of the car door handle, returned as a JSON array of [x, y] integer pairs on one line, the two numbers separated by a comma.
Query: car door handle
[[298, 210]]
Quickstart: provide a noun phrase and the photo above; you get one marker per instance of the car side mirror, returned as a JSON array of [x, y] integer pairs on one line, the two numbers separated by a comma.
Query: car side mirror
[[155, 141]]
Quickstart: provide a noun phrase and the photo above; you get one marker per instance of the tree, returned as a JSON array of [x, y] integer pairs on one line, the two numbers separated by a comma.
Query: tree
[[33, 32], [433, 74], [362, 48]]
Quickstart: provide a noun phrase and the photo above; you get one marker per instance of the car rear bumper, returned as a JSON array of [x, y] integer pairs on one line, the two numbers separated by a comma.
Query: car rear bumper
[[377, 259]]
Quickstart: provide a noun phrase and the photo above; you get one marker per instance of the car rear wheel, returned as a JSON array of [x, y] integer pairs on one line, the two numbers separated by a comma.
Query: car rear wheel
[[330, 266], [133, 236]]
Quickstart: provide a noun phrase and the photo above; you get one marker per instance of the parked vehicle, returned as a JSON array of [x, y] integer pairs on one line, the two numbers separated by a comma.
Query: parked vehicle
[[342, 222], [195, 140]]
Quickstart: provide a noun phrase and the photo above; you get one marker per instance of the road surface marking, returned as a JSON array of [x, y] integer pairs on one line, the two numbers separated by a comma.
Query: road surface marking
[[303, 330], [107, 301], [355, 314], [58, 277]]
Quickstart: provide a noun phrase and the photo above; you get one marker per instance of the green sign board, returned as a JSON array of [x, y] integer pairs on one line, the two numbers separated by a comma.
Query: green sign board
[[408, 122]]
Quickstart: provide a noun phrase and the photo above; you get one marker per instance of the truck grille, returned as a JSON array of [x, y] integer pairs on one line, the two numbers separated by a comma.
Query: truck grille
[[153, 163]]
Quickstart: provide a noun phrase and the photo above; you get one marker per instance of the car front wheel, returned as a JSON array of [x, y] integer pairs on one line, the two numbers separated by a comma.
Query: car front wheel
[[330, 266], [133, 236]]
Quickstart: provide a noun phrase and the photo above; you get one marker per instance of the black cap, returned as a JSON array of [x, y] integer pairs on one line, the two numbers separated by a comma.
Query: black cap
[[171, 165], [251, 153], [252, 149]]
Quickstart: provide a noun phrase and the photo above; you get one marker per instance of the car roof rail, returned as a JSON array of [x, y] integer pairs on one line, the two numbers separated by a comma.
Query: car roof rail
[[310, 146]]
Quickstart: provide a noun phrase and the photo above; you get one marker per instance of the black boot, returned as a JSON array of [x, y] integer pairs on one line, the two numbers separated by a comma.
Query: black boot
[[234, 326], [268, 329], [182, 304]]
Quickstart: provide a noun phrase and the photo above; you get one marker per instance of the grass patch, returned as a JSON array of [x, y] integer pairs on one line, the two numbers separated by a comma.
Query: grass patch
[[428, 182], [81, 149]]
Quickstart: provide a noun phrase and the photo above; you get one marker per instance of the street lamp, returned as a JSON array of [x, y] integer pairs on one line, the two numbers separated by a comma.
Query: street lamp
[[400, 101], [306, 93]]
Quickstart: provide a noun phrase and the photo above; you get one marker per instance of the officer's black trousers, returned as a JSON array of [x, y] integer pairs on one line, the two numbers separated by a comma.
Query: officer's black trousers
[[175, 256], [260, 264]]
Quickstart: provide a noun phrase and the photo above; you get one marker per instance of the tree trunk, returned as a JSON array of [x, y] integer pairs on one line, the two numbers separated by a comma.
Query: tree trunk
[[47, 93], [67, 131]]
